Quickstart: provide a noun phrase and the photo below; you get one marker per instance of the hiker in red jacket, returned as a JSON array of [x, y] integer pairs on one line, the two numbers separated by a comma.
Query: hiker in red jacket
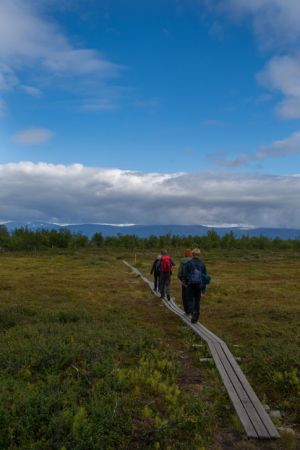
[[166, 264]]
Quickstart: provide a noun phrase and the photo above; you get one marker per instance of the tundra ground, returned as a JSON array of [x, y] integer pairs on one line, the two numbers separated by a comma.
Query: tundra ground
[[90, 359]]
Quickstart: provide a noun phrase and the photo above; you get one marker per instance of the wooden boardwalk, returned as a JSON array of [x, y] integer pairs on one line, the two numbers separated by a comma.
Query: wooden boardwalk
[[254, 418]]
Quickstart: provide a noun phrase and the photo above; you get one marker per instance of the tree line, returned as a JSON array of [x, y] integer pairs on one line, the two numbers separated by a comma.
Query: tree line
[[26, 239]]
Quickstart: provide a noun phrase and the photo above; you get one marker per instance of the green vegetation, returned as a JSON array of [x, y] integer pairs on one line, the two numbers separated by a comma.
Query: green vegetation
[[253, 304], [89, 359], [25, 239]]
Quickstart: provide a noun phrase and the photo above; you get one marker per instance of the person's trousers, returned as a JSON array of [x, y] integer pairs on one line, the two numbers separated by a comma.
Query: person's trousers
[[164, 283], [156, 281], [185, 299], [194, 297]]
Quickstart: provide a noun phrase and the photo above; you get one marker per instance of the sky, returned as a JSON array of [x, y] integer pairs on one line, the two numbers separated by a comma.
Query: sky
[[153, 112]]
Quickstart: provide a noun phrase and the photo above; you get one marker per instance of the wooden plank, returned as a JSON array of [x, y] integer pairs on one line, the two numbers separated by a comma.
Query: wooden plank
[[240, 406], [261, 429], [210, 333], [241, 392], [273, 433], [251, 421], [243, 406], [236, 401], [170, 306], [268, 424], [260, 411], [248, 407]]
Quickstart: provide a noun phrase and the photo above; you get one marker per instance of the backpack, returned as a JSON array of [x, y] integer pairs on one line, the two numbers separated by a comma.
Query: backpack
[[195, 275], [166, 264], [157, 266]]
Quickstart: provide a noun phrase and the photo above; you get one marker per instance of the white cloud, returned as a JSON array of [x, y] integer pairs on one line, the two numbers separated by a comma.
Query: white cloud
[[276, 26], [278, 149], [27, 37], [8, 79], [30, 42], [33, 136], [275, 22], [282, 73], [31, 90], [70, 61], [77, 194]]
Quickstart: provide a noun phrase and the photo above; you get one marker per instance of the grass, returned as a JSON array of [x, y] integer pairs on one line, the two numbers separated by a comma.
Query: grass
[[89, 359], [254, 303]]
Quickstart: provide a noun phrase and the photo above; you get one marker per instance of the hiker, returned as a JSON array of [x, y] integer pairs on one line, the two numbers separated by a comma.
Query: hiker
[[166, 264], [155, 271], [181, 275], [194, 277]]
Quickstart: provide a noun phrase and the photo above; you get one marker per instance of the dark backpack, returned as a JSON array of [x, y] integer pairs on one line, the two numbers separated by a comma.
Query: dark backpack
[[166, 264], [157, 266], [195, 275]]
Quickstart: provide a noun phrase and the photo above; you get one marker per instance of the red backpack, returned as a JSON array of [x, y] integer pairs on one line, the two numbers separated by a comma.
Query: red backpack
[[166, 264]]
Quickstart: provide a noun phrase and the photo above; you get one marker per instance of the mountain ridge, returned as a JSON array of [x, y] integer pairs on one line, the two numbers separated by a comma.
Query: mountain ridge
[[89, 229]]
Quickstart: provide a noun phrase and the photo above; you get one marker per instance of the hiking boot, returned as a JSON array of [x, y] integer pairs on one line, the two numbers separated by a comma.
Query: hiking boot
[[194, 320]]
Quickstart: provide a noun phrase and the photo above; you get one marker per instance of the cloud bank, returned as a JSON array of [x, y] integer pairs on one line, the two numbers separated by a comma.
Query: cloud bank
[[78, 194]]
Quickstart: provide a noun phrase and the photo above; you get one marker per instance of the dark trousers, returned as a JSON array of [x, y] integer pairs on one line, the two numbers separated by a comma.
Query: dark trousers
[[156, 281], [185, 299], [194, 297], [164, 283]]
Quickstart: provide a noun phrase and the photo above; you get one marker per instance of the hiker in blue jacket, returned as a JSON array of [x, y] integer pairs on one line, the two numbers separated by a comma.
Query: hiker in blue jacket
[[195, 272]]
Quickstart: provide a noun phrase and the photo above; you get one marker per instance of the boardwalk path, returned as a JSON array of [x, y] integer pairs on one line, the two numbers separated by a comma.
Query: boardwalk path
[[251, 412]]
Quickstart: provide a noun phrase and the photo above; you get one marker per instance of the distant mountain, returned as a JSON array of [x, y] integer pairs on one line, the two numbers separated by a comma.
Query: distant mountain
[[32, 225], [90, 229], [138, 230]]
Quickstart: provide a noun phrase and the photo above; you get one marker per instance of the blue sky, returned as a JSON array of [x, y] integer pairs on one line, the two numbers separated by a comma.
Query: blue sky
[[167, 87]]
